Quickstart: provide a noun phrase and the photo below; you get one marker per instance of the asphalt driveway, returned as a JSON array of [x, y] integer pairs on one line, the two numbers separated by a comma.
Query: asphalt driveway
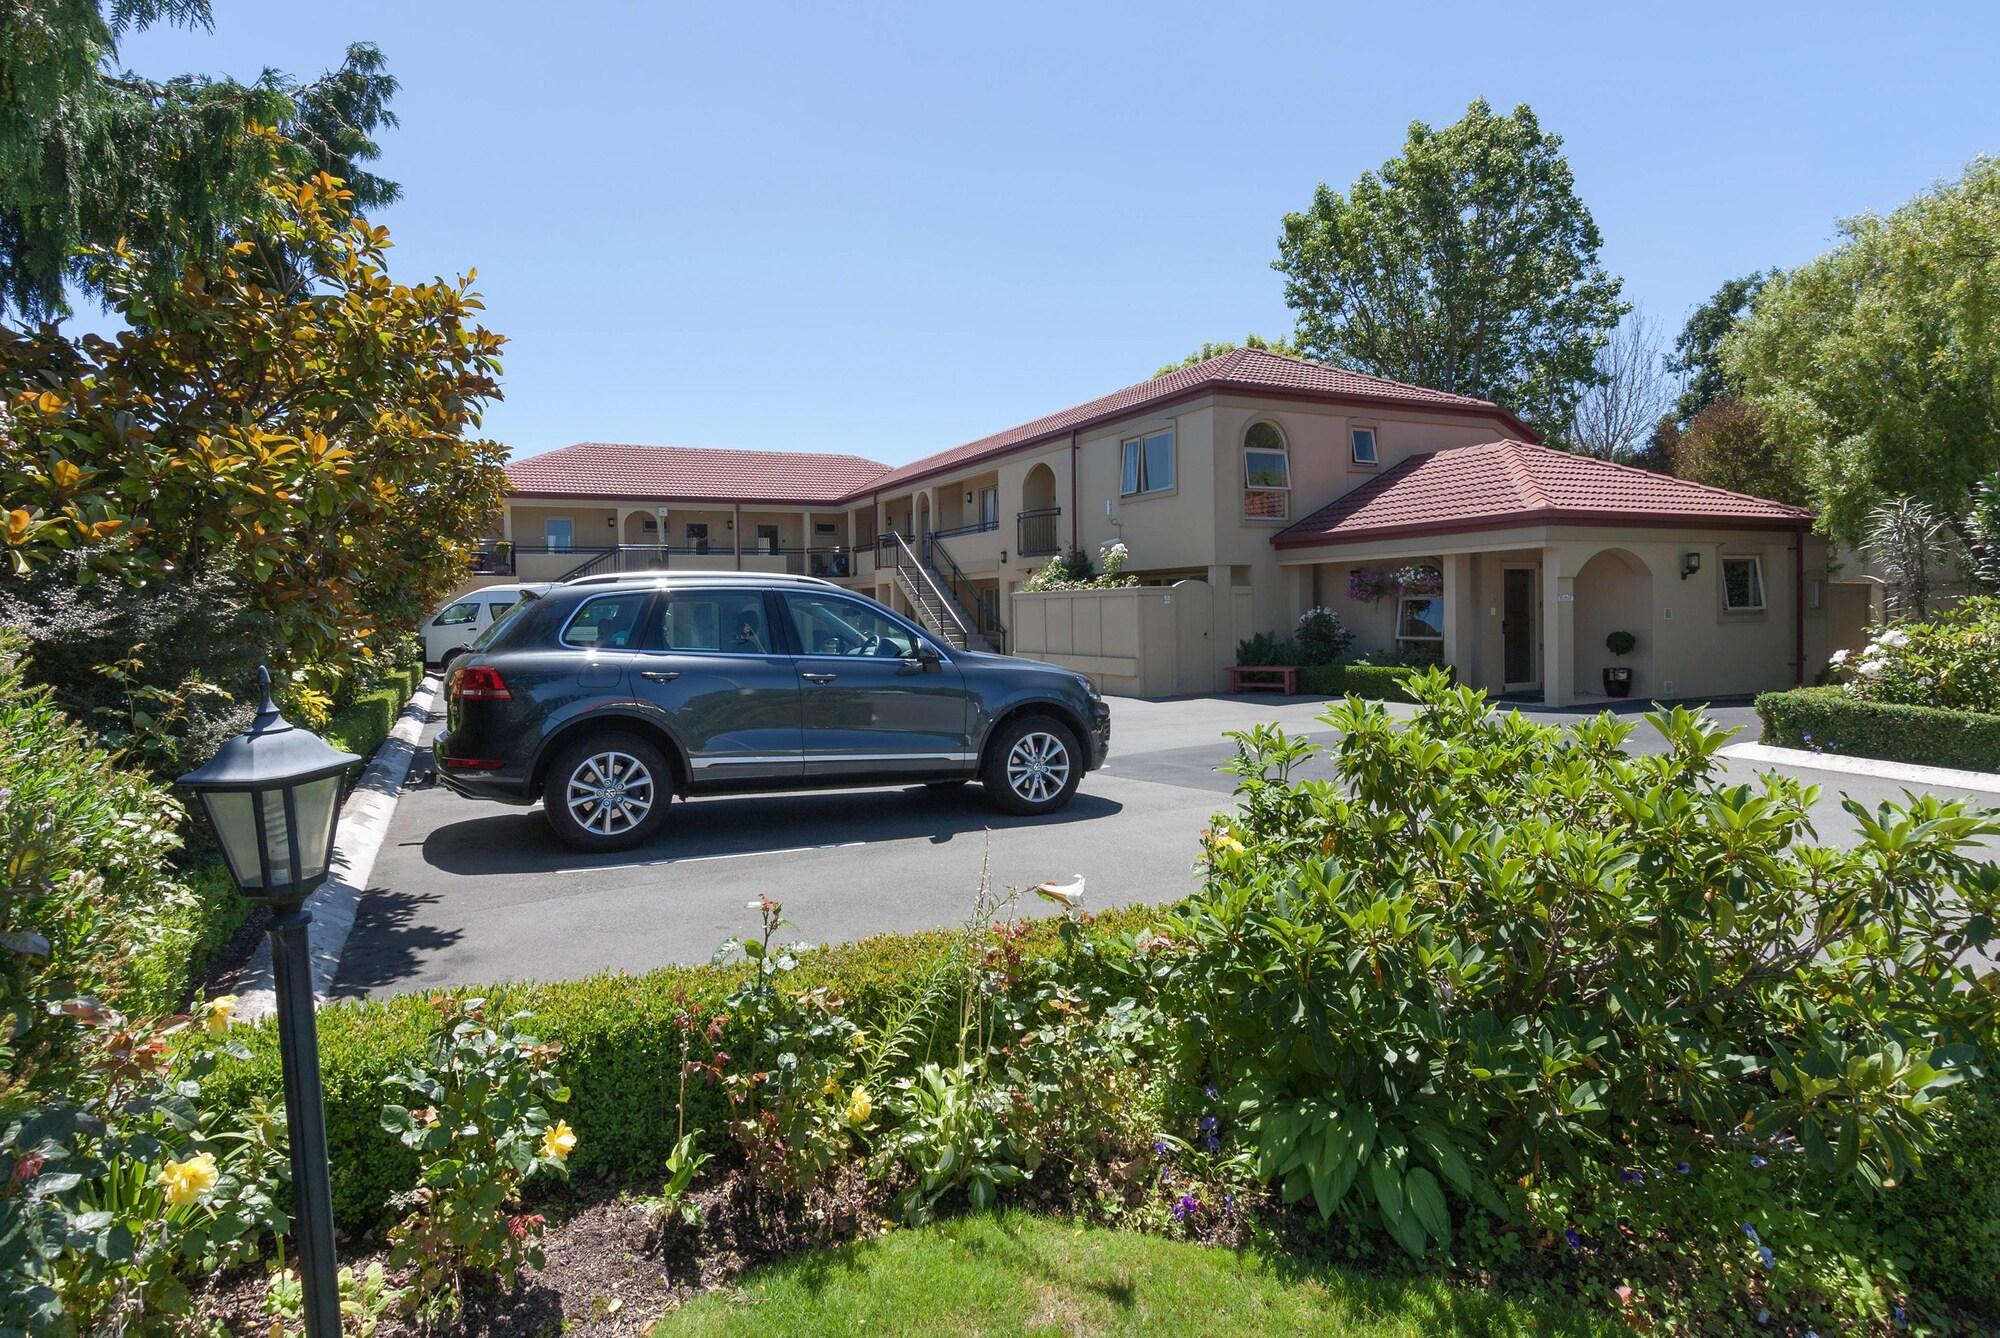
[[467, 893]]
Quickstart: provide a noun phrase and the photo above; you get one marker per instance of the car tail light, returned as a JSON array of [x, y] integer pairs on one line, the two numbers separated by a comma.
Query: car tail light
[[474, 763], [477, 682]]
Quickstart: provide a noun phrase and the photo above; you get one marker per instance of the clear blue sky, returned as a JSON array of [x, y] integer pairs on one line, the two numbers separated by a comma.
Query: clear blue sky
[[888, 229]]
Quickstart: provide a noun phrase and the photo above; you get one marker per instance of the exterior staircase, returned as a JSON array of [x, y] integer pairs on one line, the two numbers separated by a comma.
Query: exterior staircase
[[931, 593]]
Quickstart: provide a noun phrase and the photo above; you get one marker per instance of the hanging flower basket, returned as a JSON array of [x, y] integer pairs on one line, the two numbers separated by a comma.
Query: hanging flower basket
[[1366, 585], [1419, 579]]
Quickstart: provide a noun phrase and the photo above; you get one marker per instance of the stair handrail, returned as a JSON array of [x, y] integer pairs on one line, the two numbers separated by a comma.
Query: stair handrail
[[906, 559], [956, 580], [589, 565]]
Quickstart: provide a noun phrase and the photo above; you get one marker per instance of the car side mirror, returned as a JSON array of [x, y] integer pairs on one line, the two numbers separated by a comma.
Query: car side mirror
[[927, 657]]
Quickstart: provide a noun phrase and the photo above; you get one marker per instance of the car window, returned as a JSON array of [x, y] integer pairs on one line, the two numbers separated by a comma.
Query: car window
[[462, 612], [729, 622], [499, 606], [828, 625], [502, 621], [608, 622]]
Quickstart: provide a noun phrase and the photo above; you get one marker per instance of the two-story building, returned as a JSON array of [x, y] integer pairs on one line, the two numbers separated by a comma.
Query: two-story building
[[1272, 480]]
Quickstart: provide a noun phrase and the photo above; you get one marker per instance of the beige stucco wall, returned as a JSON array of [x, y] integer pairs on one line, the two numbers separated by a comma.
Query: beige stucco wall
[[1138, 641]]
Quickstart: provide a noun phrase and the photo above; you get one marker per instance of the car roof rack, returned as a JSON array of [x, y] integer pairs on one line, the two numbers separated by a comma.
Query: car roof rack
[[703, 578]]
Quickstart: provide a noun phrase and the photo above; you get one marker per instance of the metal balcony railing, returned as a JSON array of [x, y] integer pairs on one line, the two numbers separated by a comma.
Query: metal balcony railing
[[1037, 532]]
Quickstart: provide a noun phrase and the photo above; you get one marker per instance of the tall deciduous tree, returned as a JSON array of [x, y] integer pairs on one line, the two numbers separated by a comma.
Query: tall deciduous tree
[[1726, 447], [315, 439], [1697, 355], [1215, 349], [1616, 418], [90, 153], [1467, 264], [1878, 364]]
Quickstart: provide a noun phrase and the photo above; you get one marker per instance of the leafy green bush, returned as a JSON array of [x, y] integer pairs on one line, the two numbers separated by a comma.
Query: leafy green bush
[[370, 714], [1266, 651], [1379, 682], [621, 1052], [1946, 1222], [1829, 719], [1496, 958], [1950, 661], [1322, 636]]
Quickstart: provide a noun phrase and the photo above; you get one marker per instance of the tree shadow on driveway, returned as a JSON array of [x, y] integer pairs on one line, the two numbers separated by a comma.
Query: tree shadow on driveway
[[518, 841], [390, 943]]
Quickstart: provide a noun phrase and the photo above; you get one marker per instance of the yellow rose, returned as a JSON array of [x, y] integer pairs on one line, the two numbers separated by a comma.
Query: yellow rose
[[186, 1181], [858, 1041], [1224, 841], [221, 1011], [559, 1141], [859, 1107], [831, 1086]]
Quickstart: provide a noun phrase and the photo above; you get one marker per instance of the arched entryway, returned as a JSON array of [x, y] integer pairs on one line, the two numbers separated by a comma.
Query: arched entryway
[[1614, 593], [1038, 490], [642, 527], [922, 526], [1039, 527]]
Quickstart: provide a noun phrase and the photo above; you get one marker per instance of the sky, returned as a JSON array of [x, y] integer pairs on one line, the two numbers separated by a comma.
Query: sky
[[890, 228]]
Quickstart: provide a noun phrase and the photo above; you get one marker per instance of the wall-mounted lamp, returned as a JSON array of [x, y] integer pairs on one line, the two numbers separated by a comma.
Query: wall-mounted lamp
[[968, 496], [612, 523], [1690, 564]]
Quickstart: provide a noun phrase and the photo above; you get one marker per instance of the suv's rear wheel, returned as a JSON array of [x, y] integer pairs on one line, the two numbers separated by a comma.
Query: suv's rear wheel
[[607, 792], [1032, 766]]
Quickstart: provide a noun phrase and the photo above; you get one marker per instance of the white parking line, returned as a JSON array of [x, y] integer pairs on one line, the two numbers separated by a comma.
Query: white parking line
[[703, 859]]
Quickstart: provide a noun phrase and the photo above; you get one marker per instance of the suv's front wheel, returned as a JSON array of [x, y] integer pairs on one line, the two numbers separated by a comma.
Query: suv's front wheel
[[607, 792], [1033, 766]]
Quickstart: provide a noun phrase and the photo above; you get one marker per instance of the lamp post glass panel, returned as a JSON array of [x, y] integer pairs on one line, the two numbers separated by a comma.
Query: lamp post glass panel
[[272, 793]]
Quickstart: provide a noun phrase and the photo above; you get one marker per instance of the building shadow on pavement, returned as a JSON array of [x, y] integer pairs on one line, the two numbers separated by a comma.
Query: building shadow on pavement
[[519, 841], [389, 944]]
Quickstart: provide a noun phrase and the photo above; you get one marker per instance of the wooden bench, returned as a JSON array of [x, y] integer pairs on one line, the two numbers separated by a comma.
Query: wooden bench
[[1283, 677]]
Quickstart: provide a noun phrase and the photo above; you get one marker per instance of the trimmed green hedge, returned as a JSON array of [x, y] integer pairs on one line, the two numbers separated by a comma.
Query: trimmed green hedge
[[621, 1054], [1829, 720], [1374, 682], [361, 725]]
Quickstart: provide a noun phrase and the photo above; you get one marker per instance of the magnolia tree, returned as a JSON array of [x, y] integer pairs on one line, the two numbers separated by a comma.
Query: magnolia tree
[[289, 412]]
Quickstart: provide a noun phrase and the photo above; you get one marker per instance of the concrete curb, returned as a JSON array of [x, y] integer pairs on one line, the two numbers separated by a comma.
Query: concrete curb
[[1942, 778], [364, 821]]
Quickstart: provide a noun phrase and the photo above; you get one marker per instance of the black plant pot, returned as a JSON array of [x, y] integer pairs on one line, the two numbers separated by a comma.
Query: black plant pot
[[1617, 682]]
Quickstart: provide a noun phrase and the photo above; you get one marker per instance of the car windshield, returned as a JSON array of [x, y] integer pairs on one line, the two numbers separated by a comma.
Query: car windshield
[[505, 620]]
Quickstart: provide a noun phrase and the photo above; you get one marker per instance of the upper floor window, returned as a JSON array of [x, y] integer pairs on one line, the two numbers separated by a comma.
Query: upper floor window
[[1267, 474], [1148, 464], [561, 534], [1742, 584], [1363, 440]]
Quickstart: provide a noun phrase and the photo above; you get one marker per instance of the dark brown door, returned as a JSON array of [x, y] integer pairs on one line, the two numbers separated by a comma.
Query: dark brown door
[[1517, 624]]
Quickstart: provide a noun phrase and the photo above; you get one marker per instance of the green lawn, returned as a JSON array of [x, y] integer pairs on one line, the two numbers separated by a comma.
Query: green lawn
[[1029, 1275]]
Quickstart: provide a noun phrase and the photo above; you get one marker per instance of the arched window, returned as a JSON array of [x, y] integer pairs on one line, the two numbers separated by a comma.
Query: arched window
[[1267, 474]]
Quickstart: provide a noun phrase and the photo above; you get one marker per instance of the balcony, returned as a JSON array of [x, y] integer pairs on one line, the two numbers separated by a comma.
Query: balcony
[[1038, 532]]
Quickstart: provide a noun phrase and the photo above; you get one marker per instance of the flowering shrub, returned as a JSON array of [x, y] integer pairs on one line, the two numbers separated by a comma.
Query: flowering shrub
[[1497, 954], [1951, 661], [793, 1108], [1322, 636], [124, 1182], [1419, 578], [1367, 585], [1074, 570], [477, 1121]]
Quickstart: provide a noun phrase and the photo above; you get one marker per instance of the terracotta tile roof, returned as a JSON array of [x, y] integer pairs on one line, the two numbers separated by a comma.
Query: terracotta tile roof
[[1245, 369], [691, 474], [1506, 483]]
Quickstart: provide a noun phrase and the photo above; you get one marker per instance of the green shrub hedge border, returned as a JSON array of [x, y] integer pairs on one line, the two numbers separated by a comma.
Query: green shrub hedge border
[[1373, 682], [360, 726], [1827, 719], [621, 1053]]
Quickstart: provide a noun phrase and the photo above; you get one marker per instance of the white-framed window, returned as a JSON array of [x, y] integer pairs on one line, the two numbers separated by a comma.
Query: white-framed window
[[1743, 584], [1420, 621], [561, 534], [1267, 474], [1147, 464], [1361, 445]]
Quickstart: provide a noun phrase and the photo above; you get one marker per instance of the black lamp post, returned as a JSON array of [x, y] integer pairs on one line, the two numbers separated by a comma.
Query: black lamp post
[[273, 796]]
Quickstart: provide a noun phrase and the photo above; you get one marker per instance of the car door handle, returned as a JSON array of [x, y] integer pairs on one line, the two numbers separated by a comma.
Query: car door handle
[[660, 675], [818, 678]]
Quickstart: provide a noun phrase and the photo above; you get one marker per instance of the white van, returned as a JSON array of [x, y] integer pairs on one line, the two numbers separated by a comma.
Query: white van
[[458, 624]]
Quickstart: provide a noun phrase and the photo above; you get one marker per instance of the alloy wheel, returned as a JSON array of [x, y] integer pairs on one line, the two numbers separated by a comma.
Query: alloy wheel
[[1038, 767], [610, 793]]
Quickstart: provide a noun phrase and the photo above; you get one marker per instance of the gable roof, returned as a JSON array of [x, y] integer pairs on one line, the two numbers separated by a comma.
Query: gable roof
[[1245, 369], [692, 474], [1501, 484]]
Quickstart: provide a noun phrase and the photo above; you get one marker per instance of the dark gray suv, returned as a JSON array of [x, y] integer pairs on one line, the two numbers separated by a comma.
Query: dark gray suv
[[606, 700]]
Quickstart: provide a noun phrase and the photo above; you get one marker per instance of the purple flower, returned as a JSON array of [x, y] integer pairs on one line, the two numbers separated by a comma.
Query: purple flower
[[1806, 737], [1162, 1148], [1208, 1124], [1902, 1320], [1750, 1231], [1209, 1091], [1187, 1206], [1764, 1315], [1764, 1253], [1574, 1238], [1758, 1163], [1214, 1143], [1633, 1177], [1229, 1203], [1685, 1169]]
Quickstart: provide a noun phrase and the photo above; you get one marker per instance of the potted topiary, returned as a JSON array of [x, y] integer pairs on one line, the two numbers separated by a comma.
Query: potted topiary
[[1618, 678]]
